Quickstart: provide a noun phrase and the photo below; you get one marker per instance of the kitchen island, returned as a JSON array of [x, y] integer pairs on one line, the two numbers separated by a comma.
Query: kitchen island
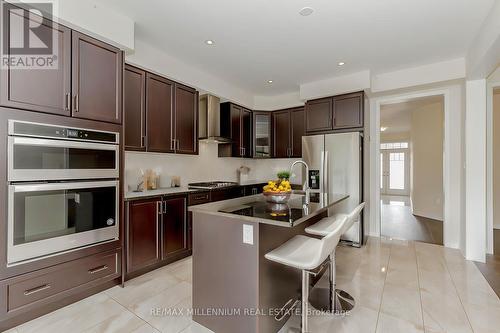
[[235, 289]]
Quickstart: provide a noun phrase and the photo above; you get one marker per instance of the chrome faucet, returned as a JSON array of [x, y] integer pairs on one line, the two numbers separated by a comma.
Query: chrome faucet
[[305, 187]]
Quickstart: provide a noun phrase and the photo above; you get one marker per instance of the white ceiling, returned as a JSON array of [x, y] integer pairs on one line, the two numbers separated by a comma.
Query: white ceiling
[[259, 40], [397, 116]]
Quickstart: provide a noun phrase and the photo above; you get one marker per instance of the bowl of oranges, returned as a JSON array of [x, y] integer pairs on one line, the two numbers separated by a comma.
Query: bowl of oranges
[[278, 191]]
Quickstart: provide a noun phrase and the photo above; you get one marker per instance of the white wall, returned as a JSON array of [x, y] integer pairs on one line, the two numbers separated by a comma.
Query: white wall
[[427, 134], [496, 159], [283, 101], [159, 62], [475, 175], [206, 166]]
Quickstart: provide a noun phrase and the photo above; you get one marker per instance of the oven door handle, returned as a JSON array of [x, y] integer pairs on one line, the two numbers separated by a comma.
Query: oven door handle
[[61, 143], [63, 186]]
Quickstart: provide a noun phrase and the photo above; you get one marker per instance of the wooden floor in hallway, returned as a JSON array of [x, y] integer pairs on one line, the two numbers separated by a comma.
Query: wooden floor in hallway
[[398, 222], [491, 269]]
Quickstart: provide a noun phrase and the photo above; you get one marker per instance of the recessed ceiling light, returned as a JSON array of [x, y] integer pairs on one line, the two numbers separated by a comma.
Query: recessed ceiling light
[[383, 129], [269, 81], [209, 42], [341, 63], [306, 11]]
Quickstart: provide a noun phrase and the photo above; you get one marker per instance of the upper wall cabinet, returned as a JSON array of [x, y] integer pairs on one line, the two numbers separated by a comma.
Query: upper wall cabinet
[[186, 119], [160, 115], [319, 115], [236, 124], [43, 90], [348, 111], [340, 112], [85, 81], [262, 134], [134, 108], [288, 129], [97, 79]]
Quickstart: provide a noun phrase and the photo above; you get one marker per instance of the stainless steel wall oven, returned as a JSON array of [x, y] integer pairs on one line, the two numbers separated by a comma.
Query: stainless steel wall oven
[[63, 190]]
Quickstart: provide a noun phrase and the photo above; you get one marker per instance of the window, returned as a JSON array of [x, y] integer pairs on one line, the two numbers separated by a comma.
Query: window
[[394, 145]]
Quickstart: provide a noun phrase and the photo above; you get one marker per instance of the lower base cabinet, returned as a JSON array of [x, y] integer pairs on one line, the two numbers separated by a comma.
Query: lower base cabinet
[[157, 232], [30, 295]]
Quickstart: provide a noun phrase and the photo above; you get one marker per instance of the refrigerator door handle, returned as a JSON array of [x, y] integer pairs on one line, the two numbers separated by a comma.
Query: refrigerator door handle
[[326, 183]]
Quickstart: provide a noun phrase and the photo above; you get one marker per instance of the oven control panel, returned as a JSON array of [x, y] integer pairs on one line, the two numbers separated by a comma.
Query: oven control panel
[[57, 132]]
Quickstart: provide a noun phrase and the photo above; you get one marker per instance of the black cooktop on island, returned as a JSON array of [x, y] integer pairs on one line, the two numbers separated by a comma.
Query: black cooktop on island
[[211, 185], [262, 209]]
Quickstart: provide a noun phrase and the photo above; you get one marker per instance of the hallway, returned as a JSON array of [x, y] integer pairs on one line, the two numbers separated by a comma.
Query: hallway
[[399, 223]]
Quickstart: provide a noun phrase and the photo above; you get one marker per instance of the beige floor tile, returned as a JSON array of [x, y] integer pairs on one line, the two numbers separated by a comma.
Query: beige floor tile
[[122, 322], [444, 313], [76, 317], [360, 320], [196, 328], [390, 324], [366, 292], [403, 303], [483, 318], [146, 328], [142, 288]]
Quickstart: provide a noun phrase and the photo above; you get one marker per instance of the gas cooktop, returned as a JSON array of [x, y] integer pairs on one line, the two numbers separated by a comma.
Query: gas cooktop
[[211, 185]]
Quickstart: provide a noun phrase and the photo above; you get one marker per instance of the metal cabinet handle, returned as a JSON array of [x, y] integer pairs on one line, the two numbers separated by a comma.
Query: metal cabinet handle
[[159, 207], [36, 289], [143, 141], [164, 209], [98, 269], [201, 197], [77, 104], [67, 102], [178, 144]]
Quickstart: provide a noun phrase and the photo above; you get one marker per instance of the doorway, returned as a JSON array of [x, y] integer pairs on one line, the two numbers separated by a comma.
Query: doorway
[[395, 168], [411, 169]]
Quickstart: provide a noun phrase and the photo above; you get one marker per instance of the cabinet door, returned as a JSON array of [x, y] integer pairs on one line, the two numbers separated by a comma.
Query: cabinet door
[[262, 134], [186, 120], [159, 114], [134, 107], [143, 248], [319, 114], [174, 227], [97, 79], [281, 133], [348, 111], [297, 130], [235, 114], [44, 90], [246, 132]]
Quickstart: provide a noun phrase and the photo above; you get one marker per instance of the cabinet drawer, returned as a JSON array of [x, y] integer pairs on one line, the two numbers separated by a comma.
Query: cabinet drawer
[[198, 198], [49, 282]]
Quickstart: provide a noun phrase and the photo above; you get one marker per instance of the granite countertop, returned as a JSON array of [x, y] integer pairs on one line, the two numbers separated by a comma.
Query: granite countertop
[[131, 195], [255, 209], [161, 191]]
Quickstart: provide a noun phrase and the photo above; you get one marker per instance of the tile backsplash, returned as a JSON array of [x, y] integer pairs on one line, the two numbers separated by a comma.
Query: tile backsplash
[[206, 166]]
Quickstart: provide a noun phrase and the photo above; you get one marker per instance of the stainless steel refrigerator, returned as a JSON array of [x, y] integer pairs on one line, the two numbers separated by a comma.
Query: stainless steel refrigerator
[[335, 166]]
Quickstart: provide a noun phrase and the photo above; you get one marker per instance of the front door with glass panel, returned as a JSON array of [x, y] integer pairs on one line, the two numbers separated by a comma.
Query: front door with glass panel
[[395, 170]]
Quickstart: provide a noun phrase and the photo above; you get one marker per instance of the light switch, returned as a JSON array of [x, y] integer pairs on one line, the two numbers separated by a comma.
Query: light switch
[[247, 234]]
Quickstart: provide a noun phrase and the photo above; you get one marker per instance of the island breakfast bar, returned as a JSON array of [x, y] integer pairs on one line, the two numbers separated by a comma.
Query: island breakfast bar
[[235, 289]]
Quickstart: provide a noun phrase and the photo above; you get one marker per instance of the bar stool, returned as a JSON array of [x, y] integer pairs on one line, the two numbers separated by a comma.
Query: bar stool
[[333, 300], [306, 253]]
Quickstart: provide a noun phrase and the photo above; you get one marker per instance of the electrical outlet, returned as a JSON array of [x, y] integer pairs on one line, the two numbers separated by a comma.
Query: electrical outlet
[[247, 234]]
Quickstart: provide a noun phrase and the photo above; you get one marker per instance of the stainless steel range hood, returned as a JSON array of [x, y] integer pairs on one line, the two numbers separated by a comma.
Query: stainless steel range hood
[[209, 120]]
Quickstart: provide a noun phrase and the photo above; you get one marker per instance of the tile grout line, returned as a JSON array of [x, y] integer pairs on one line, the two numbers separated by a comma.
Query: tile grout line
[[132, 312], [419, 287], [383, 289], [456, 290]]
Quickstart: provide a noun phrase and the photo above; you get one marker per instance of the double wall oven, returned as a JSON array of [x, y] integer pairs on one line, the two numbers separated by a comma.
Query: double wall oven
[[63, 189]]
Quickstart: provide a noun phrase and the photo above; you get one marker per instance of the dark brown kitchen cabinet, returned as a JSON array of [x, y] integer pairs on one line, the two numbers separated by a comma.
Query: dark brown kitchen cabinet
[[186, 120], [297, 131], [348, 111], [43, 90], [159, 114], [281, 133], [143, 233], [134, 108], [236, 124], [288, 129], [97, 79], [319, 115], [174, 227]]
